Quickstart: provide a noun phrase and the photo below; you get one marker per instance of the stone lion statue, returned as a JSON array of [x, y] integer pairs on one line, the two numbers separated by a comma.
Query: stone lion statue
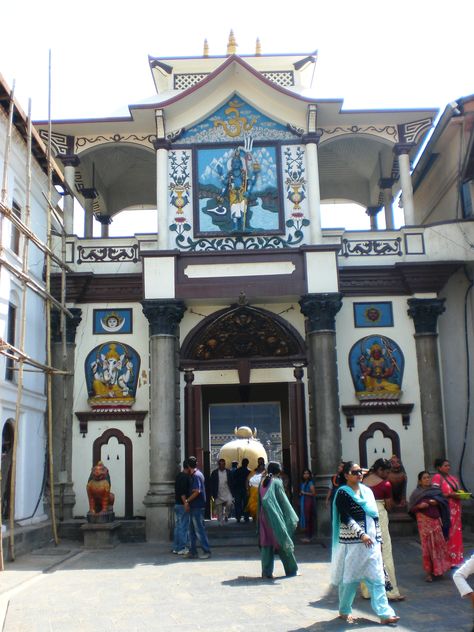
[[101, 499]]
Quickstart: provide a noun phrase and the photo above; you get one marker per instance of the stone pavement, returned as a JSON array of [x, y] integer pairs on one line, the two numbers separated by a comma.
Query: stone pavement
[[143, 587]]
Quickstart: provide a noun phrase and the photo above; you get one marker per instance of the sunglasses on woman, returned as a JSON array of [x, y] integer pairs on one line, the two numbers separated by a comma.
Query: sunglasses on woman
[[356, 472]]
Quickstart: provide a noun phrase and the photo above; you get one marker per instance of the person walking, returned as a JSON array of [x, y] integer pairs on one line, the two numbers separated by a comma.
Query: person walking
[[240, 491], [182, 489], [356, 550], [377, 480], [277, 522], [221, 491], [307, 505], [196, 503]]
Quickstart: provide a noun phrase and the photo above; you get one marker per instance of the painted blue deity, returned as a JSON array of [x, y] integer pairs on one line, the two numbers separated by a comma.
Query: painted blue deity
[[376, 364], [238, 190]]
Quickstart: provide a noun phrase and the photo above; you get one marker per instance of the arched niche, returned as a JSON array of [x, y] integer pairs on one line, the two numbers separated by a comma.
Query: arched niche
[[122, 439], [387, 433]]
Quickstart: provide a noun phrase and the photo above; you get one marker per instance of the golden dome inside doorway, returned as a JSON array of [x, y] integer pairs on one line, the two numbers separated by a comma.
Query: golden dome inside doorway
[[244, 446]]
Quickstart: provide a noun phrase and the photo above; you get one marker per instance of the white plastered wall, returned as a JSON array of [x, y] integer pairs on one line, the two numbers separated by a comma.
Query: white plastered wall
[[82, 446], [411, 439]]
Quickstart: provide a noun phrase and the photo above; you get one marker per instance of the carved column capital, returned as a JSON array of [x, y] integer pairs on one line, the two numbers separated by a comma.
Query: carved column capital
[[402, 148], [71, 325], [386, 183], [311, 137], [70, 160], [164, 315], [425, 312], [161, 143], [321, 310]]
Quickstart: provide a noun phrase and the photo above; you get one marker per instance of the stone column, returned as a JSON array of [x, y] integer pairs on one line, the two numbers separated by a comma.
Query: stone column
[[161, 145], [70, 162], [403, 153], [89, 197], [372, 212], [63, 403], [386, 185], [325, 431], [311, 140], [104, 221], [425, 312], [164, 317]]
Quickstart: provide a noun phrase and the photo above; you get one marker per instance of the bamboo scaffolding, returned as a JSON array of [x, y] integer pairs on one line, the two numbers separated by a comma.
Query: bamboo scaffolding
[[18, 355], [3, 197], [28, 282], [49, 377], [27, 232], [34, 285], [24, 287]]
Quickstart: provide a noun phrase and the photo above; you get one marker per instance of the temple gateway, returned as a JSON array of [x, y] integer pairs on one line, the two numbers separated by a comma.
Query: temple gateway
[[239, 308]]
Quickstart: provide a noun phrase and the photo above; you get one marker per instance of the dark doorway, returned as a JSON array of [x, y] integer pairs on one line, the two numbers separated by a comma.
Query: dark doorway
[[7, 454]]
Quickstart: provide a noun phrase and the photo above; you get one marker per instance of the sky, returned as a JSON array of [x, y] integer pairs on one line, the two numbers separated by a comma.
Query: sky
[[373, 54]]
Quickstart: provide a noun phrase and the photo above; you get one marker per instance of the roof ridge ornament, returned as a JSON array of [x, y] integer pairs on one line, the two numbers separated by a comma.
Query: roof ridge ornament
[[258, 48], [232, 44], [205, 52]]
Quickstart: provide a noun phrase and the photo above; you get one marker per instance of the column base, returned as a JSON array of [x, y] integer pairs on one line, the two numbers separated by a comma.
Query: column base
[[159, 513], [64, 502]]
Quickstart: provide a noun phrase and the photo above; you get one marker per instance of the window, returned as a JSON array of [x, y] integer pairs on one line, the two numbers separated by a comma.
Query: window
[[11, 331], [15, 237]]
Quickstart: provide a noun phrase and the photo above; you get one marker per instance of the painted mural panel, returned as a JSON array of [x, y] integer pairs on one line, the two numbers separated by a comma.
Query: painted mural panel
[[376, 364], [235, 120], [377, 314], [111, 372], [237, 190], [112, 321]]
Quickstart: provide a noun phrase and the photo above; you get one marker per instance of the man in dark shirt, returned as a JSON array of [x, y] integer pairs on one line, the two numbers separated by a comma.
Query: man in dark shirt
[[196, 503], [182, 489], [240, 490]]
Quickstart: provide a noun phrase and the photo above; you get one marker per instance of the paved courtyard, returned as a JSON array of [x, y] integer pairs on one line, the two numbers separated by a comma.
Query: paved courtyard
[[143, 587]]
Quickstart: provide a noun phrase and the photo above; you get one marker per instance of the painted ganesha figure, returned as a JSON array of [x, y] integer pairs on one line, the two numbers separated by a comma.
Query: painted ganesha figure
[[101, 499], [112, 375]]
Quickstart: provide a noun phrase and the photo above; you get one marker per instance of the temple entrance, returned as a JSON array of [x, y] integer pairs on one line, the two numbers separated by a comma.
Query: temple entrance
[[244, 338]]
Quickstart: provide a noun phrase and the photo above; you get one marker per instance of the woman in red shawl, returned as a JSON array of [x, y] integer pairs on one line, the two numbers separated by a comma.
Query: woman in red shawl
[[431, 510], [450, 487]]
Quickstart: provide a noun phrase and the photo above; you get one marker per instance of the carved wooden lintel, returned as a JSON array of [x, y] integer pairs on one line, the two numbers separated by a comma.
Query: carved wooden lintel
[[111, 415], [377, 408]]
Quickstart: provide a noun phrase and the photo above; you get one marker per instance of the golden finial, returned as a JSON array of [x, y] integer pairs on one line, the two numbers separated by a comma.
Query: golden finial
[[231, 44], [205, 52], [258, 47]]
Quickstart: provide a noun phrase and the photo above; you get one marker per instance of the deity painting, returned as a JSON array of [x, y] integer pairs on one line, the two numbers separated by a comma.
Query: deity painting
[[376, 364], [378, 314], [237, 190], [112, 375], [112, 321]]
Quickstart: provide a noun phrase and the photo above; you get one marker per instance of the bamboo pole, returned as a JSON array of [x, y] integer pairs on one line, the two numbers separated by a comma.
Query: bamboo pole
[[49, 376], [24, 287]]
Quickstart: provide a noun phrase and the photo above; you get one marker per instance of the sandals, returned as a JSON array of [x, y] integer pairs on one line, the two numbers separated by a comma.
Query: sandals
[[348, 618], [399, 598], [390, 620]]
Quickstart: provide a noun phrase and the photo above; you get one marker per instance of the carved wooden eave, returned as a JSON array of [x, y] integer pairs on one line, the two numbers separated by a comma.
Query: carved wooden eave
[[400, 279]]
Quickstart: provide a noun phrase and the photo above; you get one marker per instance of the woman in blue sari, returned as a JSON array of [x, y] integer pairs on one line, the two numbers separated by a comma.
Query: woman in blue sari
[[356, 546]]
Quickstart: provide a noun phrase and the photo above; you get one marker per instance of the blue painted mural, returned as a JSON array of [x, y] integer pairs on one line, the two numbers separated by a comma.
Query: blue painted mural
[[237, 190], [376, 364], [112, 371]]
